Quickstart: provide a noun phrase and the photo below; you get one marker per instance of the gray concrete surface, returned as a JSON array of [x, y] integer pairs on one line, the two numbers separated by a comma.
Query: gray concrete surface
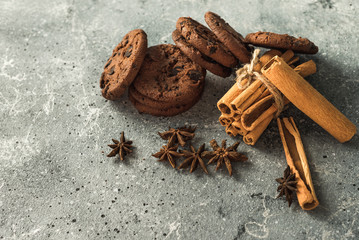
[[55, 181]]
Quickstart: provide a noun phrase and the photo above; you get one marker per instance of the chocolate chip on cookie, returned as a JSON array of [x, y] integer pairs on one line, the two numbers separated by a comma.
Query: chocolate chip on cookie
[[281, 41], [196, 56], [228, 36], [167, 75], [124, 64], [205, 41]]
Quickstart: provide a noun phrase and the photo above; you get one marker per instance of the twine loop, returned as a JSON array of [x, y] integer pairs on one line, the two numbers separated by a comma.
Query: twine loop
[[246, 72]]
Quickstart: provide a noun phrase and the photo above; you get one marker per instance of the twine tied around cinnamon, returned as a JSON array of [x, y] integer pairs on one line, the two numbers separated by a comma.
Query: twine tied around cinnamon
[[247, 72]]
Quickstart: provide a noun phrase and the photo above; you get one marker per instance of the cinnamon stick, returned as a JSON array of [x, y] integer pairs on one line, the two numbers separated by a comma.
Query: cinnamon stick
[[306, 69], [293, 60], [237, 117], [231, 131], [247, 97], [266, 57], [224, 103], [225, 121], [297, 161], [239, 127], [287, 55], [308, 100], [258, 112], [252, 137]]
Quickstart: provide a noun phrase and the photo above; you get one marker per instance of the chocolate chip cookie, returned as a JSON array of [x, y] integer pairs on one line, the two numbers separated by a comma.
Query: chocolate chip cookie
[[167, 75], [228, 36], [281, 41], [196, 56], [205, 41], [124, 64]]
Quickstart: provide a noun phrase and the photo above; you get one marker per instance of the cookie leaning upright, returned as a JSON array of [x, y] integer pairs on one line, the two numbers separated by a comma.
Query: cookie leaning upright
[[205, 41], [281, 41], [196, 56], [124, 64], [233, 40]]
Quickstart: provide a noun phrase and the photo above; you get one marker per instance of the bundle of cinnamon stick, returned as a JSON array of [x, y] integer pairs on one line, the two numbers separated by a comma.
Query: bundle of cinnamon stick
[[248, 112]]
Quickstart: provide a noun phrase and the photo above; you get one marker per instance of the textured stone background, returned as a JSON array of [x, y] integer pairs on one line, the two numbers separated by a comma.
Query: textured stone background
[[55, 181]]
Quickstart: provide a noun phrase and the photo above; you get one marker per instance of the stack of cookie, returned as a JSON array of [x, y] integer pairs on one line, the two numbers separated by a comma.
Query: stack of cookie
[[218, 51], [162, 81]]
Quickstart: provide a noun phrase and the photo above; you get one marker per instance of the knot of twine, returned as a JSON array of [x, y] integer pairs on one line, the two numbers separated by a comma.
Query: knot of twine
[[247, 72]]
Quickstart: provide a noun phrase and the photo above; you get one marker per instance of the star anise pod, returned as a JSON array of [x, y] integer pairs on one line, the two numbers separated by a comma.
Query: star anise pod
[[180, 135], [224, 155], [193, 157], [121, 147], [168, 153], [287, 185]]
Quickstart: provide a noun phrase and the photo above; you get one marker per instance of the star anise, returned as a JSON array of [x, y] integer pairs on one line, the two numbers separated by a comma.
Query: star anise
[[180, 135], [193, 157], [121, 147], [168, 153], [224, 155], [288, 185]]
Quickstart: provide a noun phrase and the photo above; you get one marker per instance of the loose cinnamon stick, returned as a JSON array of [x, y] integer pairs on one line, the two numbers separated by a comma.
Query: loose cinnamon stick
[[297, 161], [252, 137], [308, 100]]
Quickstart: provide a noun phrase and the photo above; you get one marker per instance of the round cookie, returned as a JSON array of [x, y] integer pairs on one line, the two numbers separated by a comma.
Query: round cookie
[[228, 36], [144, 100], [163, 112], [205, 41], [168, 75], [281, 41], [198, 57], [124, 64]]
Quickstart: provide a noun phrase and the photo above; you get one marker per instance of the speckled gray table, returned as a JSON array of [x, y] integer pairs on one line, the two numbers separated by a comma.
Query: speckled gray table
[[55, 181]]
